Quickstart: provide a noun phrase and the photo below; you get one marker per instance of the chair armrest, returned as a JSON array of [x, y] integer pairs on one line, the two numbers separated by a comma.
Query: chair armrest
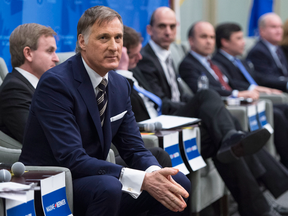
[[9, 156], [240, 113], [276, 99], [9, 142], [150, 141], [68, 179]]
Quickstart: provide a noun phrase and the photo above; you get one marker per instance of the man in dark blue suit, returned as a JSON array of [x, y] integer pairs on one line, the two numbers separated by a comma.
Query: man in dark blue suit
[[230, 44], [79, 108], [267, 57]]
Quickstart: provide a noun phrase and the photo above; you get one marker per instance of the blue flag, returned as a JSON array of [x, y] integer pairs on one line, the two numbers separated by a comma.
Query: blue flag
[[259, 8]]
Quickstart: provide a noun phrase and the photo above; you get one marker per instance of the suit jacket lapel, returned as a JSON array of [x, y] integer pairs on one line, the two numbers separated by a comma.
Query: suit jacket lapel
[[202, 68], [23, 79], [86, 91], [156, 61], [159, 67]]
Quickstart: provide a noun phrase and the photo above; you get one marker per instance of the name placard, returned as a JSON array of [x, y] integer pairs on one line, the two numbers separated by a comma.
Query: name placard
[[53, 192], [171, 146]]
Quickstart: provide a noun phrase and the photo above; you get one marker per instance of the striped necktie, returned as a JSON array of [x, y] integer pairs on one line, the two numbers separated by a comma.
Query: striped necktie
[[175, 94], [102, 99]]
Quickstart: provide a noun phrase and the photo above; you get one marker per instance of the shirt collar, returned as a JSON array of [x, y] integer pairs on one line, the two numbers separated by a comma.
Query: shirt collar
[[161, 53], [200, 58], [29, 76], [270, 46], [94, 76], [227, 55]]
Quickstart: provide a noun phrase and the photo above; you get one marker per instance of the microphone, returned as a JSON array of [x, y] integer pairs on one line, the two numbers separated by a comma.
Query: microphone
[[5, 175], [150, 126], [18, 169]]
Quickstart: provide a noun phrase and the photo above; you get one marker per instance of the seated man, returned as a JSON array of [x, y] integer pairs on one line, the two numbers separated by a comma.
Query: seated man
[[32, 49], [78, 109], [201, 38], [271, 66], [237, 175], [30, 60], [230, 44]]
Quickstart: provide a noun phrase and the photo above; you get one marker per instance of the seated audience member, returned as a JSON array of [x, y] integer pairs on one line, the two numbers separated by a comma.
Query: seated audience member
[[33, 57], [201, 38], [267, 57], [238, 177], [32, 49], [82, 106], [284, 42], [230, 44]]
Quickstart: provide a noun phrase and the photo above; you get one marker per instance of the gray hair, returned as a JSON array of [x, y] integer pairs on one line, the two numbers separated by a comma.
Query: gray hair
[[262, 19], [97, 14]]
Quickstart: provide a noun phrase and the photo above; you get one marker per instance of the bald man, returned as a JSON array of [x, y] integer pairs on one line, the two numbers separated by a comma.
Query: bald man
[[237, 176], [267, 57]]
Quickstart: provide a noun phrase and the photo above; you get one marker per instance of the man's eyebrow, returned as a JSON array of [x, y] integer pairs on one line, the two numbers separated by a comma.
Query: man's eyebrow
[[51, 47]]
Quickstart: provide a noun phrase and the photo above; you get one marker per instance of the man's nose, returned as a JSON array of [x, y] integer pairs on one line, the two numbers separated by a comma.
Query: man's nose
[[113, 45], [55, 58]]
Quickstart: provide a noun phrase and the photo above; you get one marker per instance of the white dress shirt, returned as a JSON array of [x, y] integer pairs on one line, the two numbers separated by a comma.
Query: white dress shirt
[[30, 77], [131, 179]]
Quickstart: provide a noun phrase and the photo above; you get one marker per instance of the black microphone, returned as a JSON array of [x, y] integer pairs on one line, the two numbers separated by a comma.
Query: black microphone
[[150, 126]]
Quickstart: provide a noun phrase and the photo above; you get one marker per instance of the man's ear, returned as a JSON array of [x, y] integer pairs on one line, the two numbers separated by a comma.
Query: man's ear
[[224, 42], [28, 54], [81, 42], [190, 40], [149, 29]]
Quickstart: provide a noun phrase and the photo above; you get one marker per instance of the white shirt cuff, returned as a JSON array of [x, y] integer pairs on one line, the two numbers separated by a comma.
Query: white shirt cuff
[[251, 87], [132, 180], [235, 93], [152, 169]]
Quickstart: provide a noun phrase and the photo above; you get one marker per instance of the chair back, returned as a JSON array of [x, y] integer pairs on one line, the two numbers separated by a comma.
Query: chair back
[[3, 70]]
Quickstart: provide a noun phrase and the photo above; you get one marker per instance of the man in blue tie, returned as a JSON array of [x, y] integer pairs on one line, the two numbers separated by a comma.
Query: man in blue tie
[[230, 44], [267, 57]]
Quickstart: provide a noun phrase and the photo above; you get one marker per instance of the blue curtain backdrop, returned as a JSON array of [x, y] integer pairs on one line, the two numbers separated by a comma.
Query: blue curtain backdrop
[[259, 8], [62, 16]]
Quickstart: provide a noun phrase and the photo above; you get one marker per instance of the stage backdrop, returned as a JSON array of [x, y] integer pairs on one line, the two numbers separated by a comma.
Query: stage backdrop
[[62, 16]]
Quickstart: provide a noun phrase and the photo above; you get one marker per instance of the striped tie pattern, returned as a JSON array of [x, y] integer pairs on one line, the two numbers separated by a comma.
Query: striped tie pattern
[[102, 99]]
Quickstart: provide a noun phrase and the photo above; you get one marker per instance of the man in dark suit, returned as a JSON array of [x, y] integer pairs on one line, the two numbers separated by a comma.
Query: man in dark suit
[[78, 109], [32, 49], [230, 44], [201, 37], [237, 176], [267, 57], [202, 41]]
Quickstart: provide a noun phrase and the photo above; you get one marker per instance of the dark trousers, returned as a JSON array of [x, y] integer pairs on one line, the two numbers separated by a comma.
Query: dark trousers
[[216, 119], [101, 195], [242, 176], [280, 114]]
